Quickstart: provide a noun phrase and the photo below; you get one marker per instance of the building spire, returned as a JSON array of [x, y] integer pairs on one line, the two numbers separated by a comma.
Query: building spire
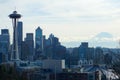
[[14, 16]]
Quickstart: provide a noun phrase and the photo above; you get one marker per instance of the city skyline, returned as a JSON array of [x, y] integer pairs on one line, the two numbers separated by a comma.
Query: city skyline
[[68, 20]]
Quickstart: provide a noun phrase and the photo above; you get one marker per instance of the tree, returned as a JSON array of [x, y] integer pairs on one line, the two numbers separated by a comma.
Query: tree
[[116, 65], [8, 73]]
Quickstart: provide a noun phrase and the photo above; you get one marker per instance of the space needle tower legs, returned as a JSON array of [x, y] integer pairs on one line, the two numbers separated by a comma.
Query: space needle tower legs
[[14, 16]]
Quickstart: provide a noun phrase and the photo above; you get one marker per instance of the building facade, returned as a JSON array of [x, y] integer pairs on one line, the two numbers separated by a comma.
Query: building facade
[[38, 42], [83, 50], [19, 36], [29, 42], [86, 54], [4, 45]]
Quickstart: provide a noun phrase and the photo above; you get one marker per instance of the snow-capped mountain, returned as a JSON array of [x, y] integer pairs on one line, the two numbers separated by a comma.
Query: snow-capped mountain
[[103, 39]]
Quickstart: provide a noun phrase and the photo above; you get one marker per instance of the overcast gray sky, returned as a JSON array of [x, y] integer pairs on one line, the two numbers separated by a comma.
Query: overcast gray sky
[[70, 20]]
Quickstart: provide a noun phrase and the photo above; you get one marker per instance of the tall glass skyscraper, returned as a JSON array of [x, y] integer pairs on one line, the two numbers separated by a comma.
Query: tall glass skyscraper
[[20, 36], [38, 41]]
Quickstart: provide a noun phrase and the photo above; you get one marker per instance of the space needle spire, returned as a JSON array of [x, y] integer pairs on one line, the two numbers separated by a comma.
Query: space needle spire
[[14, 16]]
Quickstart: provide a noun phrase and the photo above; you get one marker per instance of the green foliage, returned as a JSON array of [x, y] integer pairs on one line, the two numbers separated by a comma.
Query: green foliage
[[116, 68], [116, 65], [8, 73]]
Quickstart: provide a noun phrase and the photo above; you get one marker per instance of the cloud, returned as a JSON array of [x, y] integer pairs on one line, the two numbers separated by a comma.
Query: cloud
[[67, 9], [81, 9]]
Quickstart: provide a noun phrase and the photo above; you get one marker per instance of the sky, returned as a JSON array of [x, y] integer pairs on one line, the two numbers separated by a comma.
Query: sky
[[69, 20]]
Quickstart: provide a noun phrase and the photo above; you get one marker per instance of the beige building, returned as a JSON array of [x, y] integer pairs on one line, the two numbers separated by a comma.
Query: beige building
[[55, 65]]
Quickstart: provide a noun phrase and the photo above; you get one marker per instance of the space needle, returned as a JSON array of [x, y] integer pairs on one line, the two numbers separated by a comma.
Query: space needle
[[14, 16]]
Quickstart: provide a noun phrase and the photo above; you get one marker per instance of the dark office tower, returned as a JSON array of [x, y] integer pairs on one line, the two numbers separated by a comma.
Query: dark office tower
[[38, 41], [4, 45], [4, 32], [30, 44], [25, 51], [83, 50], [20, 36], [99, 56]]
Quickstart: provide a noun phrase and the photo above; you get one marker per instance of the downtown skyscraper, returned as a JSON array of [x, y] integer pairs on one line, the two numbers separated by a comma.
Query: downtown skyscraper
[[19, 36], [38, 41], [4, 45], [28, 47]]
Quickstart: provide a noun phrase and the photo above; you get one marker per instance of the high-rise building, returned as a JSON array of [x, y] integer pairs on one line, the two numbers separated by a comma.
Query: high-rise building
[[38, 41], [19, 36], [86, 54], [4, 45], [30, 44], [83, 50], [53, 47], [98, 56], [25, 51], [54, 40], [83, 53]]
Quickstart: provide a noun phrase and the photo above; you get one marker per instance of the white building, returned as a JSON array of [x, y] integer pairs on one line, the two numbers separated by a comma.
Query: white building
[[85, 62]]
